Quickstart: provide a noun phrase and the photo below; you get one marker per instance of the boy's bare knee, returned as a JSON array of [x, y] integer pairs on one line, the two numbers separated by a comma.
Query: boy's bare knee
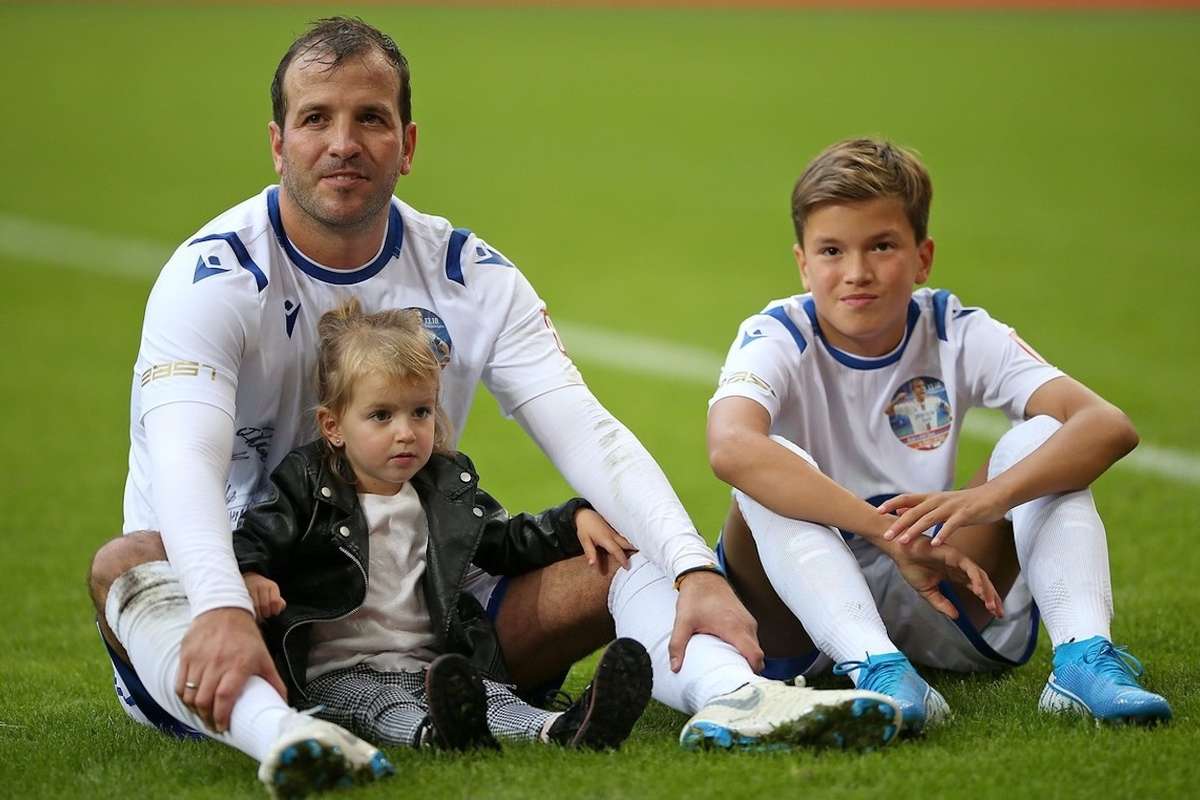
[[118, 556]]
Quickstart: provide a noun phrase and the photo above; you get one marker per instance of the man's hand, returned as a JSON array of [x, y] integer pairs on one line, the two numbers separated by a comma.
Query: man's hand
[[924, 566], [920, 512], [707, 604], [599, 540], [221, 649]]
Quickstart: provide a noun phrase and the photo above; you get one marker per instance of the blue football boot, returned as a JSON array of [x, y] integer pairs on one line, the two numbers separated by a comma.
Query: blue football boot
[[1094, 677], [893, 675]]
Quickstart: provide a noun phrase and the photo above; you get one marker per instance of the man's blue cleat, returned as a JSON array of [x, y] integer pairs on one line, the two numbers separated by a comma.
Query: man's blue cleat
[[1093, 677], [893, 675]]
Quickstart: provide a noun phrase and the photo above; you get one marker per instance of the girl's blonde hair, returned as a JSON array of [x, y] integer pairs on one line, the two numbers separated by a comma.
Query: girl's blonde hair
[[392, 343]]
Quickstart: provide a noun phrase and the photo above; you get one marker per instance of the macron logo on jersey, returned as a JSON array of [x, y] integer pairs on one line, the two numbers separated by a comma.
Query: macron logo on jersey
[[752, 336], [290, 312], [487, 255], [205, 271]]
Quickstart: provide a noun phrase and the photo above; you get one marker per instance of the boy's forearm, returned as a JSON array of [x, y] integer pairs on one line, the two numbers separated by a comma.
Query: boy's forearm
[[1088, 443], [790, 486]]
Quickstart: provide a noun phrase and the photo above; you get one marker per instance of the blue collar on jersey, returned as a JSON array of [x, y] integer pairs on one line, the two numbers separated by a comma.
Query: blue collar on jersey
[[857, 362], [391, 247]]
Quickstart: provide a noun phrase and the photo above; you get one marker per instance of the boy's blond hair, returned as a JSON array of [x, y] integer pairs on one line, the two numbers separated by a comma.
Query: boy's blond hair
[[393, 343], [864, 169]]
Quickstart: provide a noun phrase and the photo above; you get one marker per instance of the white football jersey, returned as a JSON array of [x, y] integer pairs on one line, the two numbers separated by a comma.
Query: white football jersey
[[886, 425], [232, 322]]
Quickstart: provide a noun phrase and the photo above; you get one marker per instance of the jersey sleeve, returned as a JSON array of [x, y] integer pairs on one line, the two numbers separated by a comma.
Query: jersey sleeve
[[1000, 369], [528, 358], [760, 365], [198, 319]]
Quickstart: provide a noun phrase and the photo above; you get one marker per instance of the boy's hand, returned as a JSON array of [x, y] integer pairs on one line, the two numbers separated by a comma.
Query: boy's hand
[[924, 566], [264, 593], [595, 533], [920, 511]]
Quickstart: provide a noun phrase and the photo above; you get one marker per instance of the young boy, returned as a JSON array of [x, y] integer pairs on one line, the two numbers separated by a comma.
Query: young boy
[[840, 408]]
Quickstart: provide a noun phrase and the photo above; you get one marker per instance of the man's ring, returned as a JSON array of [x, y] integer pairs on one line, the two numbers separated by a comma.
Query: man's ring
[[190, 685]]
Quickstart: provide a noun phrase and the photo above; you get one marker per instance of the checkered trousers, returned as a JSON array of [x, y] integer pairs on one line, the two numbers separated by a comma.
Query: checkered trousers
[[389, 708]]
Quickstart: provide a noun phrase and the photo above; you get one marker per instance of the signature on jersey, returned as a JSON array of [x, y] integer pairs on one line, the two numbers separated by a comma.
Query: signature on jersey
[[256, 439]]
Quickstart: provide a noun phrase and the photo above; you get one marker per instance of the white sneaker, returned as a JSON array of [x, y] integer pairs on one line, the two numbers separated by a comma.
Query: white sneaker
[[312, 755], [772, 715]]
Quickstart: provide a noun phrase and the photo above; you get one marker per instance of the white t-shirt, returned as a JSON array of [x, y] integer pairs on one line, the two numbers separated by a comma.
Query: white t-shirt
[[861, 418], [392, 630], [231, 322]]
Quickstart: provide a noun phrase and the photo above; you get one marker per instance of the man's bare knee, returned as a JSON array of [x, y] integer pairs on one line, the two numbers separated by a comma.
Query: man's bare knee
[[552, 617], [118, 556]]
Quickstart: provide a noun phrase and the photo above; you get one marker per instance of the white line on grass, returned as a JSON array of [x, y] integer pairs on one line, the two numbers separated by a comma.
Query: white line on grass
[[80, 249]]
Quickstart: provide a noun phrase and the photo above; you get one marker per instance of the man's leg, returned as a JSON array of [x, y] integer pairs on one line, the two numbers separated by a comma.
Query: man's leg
[[112, 560], [553, 616], [146, 614]]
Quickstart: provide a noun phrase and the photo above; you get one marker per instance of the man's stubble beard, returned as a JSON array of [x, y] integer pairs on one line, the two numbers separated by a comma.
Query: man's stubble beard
[[306, 199]]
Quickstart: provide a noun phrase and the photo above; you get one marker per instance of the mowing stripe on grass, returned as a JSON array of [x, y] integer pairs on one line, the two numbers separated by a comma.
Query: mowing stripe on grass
[[76, 248]]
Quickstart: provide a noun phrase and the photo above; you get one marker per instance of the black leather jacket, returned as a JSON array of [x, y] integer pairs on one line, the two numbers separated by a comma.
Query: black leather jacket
[[311, 539]]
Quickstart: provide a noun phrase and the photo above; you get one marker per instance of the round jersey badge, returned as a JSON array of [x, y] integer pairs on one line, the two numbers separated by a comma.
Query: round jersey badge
[[920, 413], [439, 335]]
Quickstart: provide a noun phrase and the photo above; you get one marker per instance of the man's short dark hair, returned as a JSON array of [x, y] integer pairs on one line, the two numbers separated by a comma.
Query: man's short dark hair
[[332, 41]]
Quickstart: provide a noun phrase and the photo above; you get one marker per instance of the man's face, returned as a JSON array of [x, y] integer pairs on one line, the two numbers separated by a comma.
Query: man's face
[[342, 145], [919, 390], [861, 262]]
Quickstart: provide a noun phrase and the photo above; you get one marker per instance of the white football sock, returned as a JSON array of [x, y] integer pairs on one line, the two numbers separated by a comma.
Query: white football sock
[[1061, 545], [149, 613], [642, 602], [813, 571]]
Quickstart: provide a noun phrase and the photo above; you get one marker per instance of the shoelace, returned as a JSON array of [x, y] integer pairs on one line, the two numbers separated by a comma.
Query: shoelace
[[558, 700], [1115, 662], [879, 676]]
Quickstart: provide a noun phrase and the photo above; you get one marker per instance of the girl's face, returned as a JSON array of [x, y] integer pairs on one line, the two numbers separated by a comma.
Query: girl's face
[[386, 429]]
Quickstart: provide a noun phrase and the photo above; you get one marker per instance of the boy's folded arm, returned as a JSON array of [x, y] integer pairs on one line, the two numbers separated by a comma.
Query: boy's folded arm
[[1094, 435], [741, 453]]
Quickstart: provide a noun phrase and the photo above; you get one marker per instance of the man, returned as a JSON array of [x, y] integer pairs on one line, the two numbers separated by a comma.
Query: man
[[222, 390]]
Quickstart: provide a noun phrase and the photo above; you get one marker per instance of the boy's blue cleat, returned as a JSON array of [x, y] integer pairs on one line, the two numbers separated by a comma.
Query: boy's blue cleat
[[893, 675], [1094, 677]]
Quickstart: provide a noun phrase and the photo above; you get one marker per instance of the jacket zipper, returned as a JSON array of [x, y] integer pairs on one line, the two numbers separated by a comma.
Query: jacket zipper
[[298, 623]]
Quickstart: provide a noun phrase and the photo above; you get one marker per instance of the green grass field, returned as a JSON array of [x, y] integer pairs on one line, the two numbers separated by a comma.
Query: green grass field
[[637, 166]]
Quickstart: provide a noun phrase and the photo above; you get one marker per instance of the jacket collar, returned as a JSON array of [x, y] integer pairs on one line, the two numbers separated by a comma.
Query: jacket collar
[[448, 475]]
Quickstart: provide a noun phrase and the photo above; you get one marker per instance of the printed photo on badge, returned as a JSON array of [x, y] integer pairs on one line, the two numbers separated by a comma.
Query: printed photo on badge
[[920, 413]]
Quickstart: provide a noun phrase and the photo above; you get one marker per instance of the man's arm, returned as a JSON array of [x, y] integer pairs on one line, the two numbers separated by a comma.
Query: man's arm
[[606, 463], [190, 446]]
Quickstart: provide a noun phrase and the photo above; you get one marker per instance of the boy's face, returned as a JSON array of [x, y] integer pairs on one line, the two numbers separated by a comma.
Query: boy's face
[[861, 262]]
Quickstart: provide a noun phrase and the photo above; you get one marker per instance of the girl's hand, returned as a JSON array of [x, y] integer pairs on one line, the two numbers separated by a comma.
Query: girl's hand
[[599, 540], [922, 510], [264, 593]]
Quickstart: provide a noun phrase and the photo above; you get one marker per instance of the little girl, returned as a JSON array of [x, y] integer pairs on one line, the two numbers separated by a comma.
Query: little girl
[[357, 563]]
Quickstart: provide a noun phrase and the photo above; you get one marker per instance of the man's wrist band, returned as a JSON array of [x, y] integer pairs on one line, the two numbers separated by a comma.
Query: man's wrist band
[[702, 568]]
